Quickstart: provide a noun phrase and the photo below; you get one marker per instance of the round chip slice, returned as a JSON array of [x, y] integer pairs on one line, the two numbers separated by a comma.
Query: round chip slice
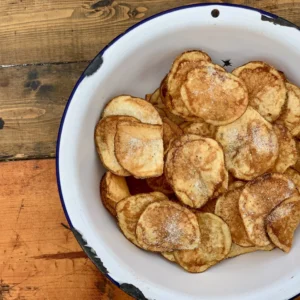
[[291, 112], [196, 170], [266, 87], [282, 223], [217, 97], [113, 189], [237, 250], [250, 145], [130, 209], [214, 247], [139, 148], [166, 226], [199, 128], [134, 107], [184, 63], [288, 154], [227, 207], [258, 198], [170, 131], [105, 132]]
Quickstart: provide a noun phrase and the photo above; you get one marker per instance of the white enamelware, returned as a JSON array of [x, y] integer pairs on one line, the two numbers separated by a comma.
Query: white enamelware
[[135, 63]]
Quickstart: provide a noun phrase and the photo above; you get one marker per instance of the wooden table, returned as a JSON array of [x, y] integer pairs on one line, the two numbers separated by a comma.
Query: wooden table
[[44, 47]]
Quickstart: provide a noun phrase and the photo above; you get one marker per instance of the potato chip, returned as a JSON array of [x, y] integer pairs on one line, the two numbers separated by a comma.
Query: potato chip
[[296, 166], [227, 207], [266, 87], [105, 132], [196, 170], [133, 107], [166, 226], [160, 184], [282, 223], [288, 155], [291, 112], [139, 149], [258, 198], [250, 145], [214, 247], [294, 176], [169, 256], [199, 128], [217, 97], [237, 250], [113, 189], [130, 209], [170, 131]]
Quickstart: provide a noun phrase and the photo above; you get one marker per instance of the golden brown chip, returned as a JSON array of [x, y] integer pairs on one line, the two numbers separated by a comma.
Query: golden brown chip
[[291, 112], [133, 107], [105, 132], [250, 145], [196, 170], [258, 198], [237, 250], [139, 148], [166, 226], [199, 128], [217, 97], [155, 98], [214, 247], [288, 155], [297, 165], [266, 87], [282, 223], [169, 256], [160, 184], [181, 66], [227, 208], [113, 189], [130, 209], [294, 176], [170, 131], [209, 207]]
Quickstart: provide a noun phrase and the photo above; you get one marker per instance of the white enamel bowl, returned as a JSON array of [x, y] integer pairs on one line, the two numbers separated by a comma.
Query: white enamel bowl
[[135, 63]]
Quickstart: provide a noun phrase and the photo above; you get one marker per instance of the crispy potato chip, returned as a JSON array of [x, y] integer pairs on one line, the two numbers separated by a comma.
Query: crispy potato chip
[[170, 131], [291, 112], [214, 247], [282, 223], [160, 184], [227, 207], [113, 189], [130, 209], [294, 176], [181, 66], [209, 207], [169, 256], [199, 128], [249, 144], [217, 97], [105, 132], [258, 198], [133, 107], [266, 87], [195, 170], [166, 226], [155, 98], [296, 166], [237, 250], [139, 148], [288, 155]]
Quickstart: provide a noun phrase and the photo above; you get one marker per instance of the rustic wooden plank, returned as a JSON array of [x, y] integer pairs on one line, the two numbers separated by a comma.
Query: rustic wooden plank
[[33, 31], [39, 256], [32, 100]]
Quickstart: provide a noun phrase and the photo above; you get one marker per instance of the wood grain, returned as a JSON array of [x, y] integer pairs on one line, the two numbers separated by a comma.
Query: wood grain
[[38, 31], [40, 258], [32, 100]]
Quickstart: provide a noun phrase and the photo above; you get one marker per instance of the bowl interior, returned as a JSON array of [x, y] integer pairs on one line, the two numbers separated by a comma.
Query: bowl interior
[[135, 64]]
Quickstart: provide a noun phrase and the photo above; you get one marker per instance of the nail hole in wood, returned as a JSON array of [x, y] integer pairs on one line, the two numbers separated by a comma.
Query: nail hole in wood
[[215, 13]]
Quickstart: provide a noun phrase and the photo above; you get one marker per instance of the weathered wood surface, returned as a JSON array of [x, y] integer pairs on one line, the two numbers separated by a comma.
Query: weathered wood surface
[[33, 31], [39, 256]]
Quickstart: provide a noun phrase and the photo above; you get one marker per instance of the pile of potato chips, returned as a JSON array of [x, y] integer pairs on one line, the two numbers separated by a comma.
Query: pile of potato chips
[[206, 168]]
